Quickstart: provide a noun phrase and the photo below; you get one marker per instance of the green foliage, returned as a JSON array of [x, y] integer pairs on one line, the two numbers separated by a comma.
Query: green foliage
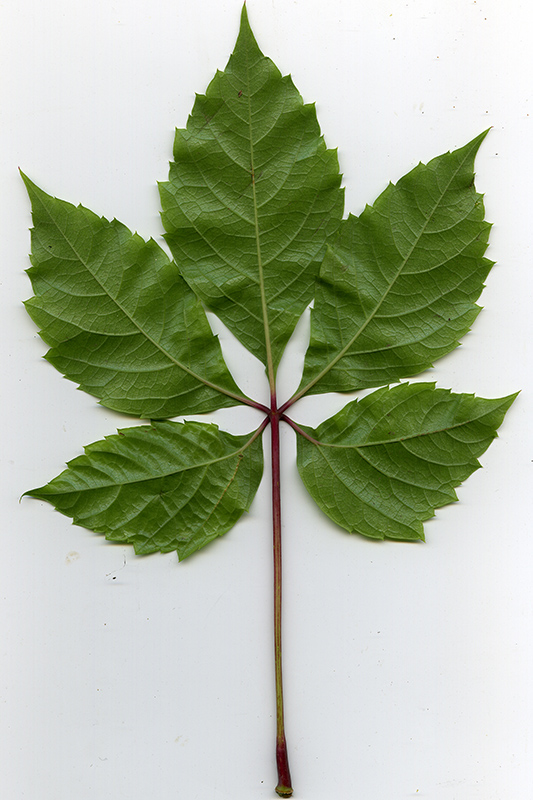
[[252, 211], [252, 198], [397, 286], [381, 466], [169, 486], [122, 322]]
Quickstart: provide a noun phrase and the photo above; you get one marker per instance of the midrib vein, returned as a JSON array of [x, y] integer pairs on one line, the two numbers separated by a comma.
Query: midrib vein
[[160, 476], [399, 439], [264, 307]]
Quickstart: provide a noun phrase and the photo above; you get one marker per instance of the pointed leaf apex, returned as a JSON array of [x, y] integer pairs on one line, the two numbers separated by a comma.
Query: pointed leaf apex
[[508, 401], [476, 142], [29, 184], [244, 17], [34, 192], [246, 38], [470, 150]]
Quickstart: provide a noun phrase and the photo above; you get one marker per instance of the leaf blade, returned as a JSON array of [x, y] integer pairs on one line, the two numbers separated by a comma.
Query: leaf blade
[[383, 465], [120, 320], [168, 486], [397, 288], [253, 154]]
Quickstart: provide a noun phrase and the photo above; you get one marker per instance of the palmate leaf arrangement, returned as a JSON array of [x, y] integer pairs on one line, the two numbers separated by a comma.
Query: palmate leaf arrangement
[[253, 213]]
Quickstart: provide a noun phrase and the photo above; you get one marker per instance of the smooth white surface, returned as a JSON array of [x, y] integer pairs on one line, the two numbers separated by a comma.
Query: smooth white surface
[[407, 667]]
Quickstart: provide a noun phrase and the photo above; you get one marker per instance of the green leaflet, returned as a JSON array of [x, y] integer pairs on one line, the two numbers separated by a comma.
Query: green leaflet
[[397, 288], [382, 465], [121, 321], [169, 486], [252, 197]]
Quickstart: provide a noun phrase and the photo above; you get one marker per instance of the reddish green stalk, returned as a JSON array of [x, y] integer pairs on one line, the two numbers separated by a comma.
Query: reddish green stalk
[[296, 427], [284, 787]]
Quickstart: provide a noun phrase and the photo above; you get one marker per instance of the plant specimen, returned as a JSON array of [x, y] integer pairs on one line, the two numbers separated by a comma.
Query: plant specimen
[[253, 213]]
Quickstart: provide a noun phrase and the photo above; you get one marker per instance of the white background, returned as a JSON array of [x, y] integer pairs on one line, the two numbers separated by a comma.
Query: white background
[[408, 666]]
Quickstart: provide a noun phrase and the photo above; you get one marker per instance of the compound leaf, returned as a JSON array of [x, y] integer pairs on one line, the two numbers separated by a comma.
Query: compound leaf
[[251, 209], [168, 486], [252, 197], [122, 322], [397, 288], [383, 464], [252, 212]]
